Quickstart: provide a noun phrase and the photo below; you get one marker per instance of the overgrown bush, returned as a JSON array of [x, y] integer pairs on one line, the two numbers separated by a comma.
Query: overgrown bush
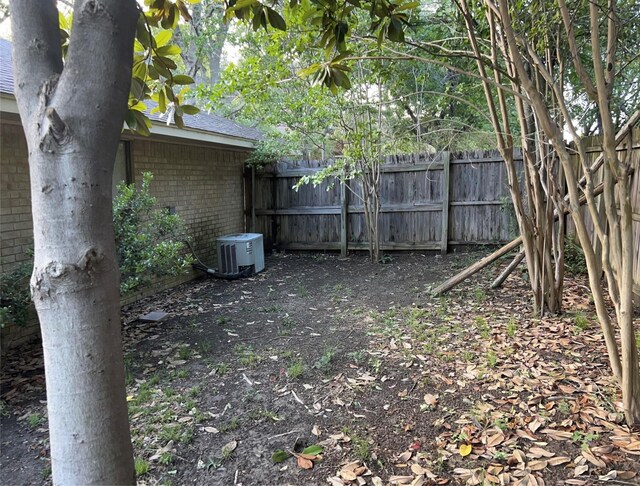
[[15, 295], [149, 241], [267, 152]]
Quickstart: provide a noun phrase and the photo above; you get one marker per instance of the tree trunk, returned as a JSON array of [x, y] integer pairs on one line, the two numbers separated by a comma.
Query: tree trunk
[[73, 118]]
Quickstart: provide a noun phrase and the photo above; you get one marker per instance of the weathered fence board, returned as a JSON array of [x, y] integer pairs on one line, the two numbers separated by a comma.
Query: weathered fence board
[[428, 202], [632, 156], [420, 210]]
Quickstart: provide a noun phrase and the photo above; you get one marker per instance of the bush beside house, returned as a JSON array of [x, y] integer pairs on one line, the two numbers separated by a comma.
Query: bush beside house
[[198, 174]]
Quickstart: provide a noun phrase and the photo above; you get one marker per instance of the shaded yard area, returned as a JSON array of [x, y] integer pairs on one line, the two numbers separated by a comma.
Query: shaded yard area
[[394, 386]]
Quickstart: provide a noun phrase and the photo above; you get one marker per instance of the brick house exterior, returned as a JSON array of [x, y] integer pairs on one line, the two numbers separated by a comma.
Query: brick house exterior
[[198, 172]]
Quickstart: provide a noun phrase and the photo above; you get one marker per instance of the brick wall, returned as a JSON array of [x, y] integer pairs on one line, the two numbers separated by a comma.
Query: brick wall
[[204, 184], [16, 227]]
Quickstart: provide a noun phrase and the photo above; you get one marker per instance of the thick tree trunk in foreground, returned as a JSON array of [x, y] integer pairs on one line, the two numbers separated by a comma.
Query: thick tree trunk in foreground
[[73, 116]]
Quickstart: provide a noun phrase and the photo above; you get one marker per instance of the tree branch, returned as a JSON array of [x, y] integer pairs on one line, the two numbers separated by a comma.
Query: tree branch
[[37, 56], [97, 74]]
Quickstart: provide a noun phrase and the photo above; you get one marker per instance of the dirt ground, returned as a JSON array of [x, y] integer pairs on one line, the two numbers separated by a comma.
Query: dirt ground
[[356, 365]]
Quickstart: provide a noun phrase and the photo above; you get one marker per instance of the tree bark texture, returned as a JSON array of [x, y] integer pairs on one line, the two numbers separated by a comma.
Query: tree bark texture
[[73, 116]]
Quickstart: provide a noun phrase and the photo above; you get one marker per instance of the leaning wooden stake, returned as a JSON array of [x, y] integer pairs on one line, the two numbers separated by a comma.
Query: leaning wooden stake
[[507, 271], [479, 265]]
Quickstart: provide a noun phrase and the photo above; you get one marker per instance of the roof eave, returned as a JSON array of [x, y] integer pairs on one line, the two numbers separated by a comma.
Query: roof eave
[[158, 129]]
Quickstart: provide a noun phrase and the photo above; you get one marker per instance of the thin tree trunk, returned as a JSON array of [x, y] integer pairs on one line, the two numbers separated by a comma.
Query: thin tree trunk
[[555, 136]]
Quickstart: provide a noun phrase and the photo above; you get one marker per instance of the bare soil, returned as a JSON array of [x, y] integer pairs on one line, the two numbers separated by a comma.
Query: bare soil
[[395, 386]]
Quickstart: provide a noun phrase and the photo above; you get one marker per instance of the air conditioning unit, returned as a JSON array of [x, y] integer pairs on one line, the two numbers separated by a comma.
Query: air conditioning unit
[[239, 254]]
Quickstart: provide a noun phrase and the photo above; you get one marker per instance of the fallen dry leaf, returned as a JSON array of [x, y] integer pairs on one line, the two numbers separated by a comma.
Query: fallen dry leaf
[[465, 450], [537, 452], [303, 462], [537, 465], [556, 461], [431, 400], [580, 470], [400, 480]]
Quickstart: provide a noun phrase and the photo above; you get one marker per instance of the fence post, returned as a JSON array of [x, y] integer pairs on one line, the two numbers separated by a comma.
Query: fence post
[[444, 242], [274, 205], [344, 215], [248, 176], [253, 199]]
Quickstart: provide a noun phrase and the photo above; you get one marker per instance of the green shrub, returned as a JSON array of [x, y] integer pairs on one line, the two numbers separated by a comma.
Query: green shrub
[[15, 296], [267, 152], [149, 241], [574, 261]]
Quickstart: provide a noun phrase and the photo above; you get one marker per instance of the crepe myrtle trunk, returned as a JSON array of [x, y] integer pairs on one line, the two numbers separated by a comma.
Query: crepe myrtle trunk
[[72, 115]]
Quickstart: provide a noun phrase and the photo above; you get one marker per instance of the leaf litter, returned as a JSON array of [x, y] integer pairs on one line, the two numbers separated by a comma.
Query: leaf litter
[[449, 391]]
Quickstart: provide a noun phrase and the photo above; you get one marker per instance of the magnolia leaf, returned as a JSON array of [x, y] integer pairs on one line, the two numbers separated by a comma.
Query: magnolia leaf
[[275, 19], [163, 37], [580, 470], [229, 447], [142, 123], [304, 463], [407, 6], [162, 104], [465, 450], [309, 70], [280, 456], [182, 79], [190, 109], [430, 399], [405, 456], [540, 452], [170, 50], [313, 450], [537, 465], [556, 461]]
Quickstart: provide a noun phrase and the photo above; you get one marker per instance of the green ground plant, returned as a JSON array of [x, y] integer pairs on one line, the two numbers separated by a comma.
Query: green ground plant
[[324, 362], [581, 321], [142, 466], [295, 369]]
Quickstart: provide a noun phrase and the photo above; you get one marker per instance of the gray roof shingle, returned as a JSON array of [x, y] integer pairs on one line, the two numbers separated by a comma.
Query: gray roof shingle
[[202, 121], [6, 67]]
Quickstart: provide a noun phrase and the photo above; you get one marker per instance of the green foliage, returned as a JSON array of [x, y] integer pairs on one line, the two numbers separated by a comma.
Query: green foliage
[[324, 362], [267, 152], [35, 419], [154, 74], [15, 296], [150, 241], [581, 321], [142, 466], [574, 260], [295, 370], [279, 456]]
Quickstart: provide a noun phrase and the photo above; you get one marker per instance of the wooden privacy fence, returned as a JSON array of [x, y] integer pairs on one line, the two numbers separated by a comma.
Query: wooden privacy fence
[[628, 150], [428, 203]]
